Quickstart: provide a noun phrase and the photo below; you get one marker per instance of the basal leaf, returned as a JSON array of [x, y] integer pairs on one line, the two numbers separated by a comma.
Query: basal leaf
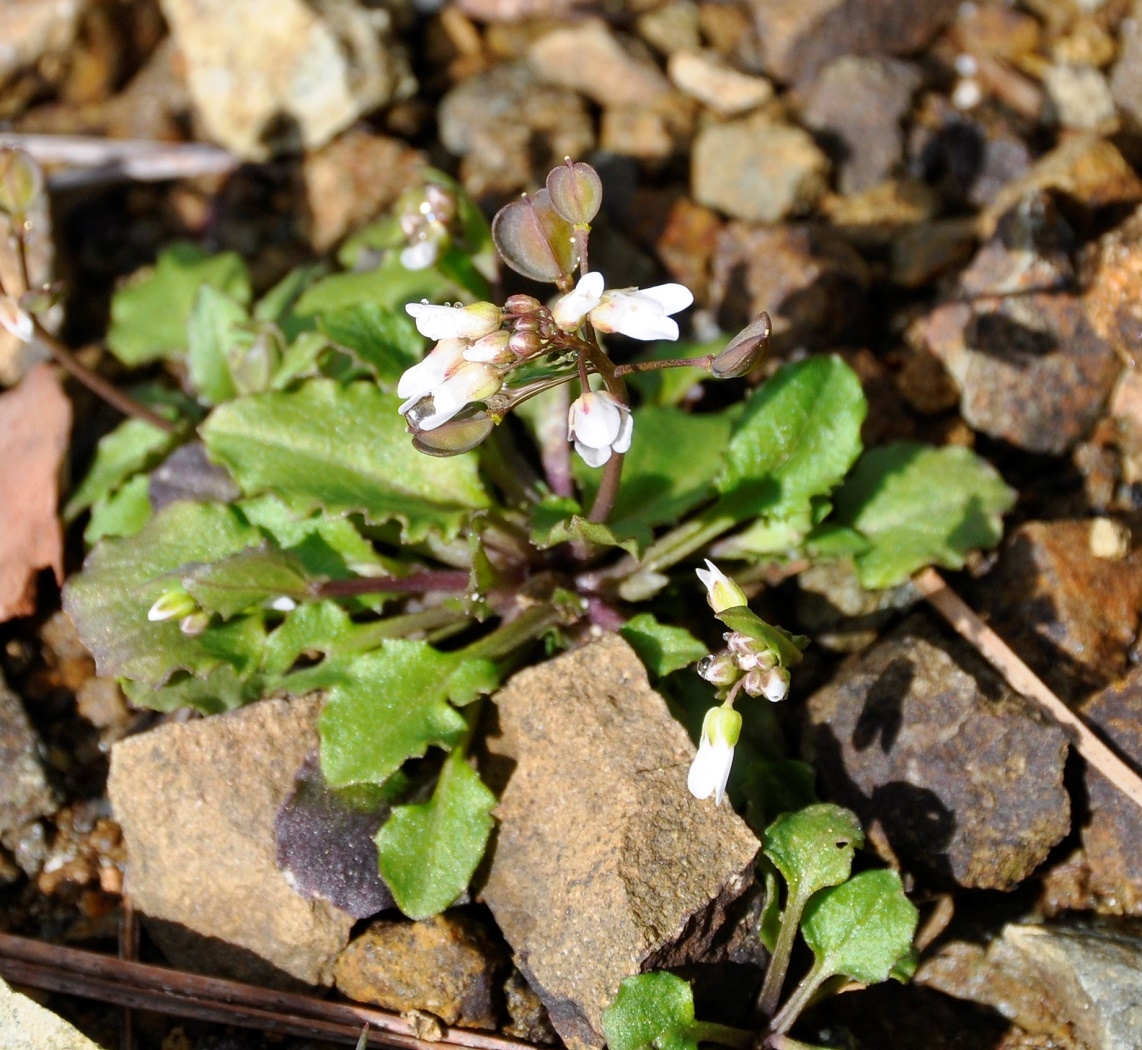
[[343, 448], [661, 647], [392, 707], [653, 1011], [429, 851], [796, 440], [919, 506], [247, 578], [861, 929], [122, 514], [813, 847], [310, 628], [149, 315], [134, 445], [122, 578], [223, 689], [385, 341], [631, 538], [216, 325]]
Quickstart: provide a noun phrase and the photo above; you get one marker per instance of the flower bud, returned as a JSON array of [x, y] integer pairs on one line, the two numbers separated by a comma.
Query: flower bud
[[253, 365], [576, 191], [721, 592], [454, 437], [719, 669], [521, 305], [773, 683], [16, 320], [534, 239], [194, 624], [525, 344], [21, 182], [744, 352], [172, 605]]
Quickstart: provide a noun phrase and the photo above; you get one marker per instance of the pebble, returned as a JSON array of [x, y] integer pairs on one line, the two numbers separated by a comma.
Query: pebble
[[197, 803], [1112, 276], [25, 792], [757, 170], [1081, 98], [1109, 539], [1126, 76], [707, 77], [35, 32], [599, 836], [920, 736], [270, 76], [26, 1025]]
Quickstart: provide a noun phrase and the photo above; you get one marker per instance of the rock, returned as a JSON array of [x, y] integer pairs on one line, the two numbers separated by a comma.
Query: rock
[[799, 37], [682, 234], [1080, 98], [197, 803], [588, 58], [925, 251], [707, 77], [876, 216], [839, 613], [352, 180], [25, 794], [670, 27], [1070, 615], [756, 169], [496, 120], [529, 1020], [1074, 984], [810, 280], [516, 10], [603, 864], [1112, 276], [920, 736], [445, 966], [858, 104], [35, 31], [650, 132], [1126, 77], [268, 76], [25, 1025]]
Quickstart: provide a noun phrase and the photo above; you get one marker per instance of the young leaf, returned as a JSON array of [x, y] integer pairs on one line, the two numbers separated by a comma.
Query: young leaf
[[124, 513], [653, 1011], [661, 647], [215, 325], [384, 341], [862, 928], [249, 577], [392, 707], [918, 506], [134, 445], [796, 439], [787, 646], [631, 538], [149, 315], [429, 851], [223, 689], [313, 627], [122, 578], [813, 848], [343, 449]]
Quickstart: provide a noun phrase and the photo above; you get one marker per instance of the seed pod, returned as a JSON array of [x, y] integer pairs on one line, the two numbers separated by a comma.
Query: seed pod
[[576, 192], [453, 437], [534, 239], [745, 351], [21, 182]]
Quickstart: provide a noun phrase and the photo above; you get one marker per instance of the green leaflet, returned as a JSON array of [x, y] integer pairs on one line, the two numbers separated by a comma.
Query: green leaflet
[[813, 848], [652, 1010], [132, 446], [660, 647], [385, 341]]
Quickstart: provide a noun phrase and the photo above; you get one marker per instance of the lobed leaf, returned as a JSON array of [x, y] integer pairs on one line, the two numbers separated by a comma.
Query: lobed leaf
[[134, 445], [652, 1010], [244, 579], [383, 340], [661, 647]]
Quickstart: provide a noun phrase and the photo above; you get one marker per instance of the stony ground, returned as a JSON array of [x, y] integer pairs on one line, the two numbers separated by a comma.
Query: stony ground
[[947, 194]]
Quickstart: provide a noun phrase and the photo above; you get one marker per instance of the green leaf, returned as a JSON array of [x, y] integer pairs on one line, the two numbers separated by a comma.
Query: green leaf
[[547, 533], [787, 646], [392, 707], [248, 578], [861, 929], [384, 341], [217, 324], [300, 361], [652, 1010], [122, 514], [670, 469], [223, 689], [343, 449], [390, 285], [428, 851], [149, 315], [134, 445], [796, 439], [122, 578], [472, 679], [813, 847], [313, 627], [660, 647], [919, 506]]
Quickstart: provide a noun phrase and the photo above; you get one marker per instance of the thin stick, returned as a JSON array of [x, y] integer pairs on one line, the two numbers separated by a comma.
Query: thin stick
[[129, 950], [105, 978], [1023, 680]]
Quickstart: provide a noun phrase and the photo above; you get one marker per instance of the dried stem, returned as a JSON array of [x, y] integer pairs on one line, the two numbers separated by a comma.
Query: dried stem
[[1023, 680]]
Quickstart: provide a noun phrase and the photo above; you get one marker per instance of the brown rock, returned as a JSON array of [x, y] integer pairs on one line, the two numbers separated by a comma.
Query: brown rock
[[1070, 615], [1113, 281], [25, 794], [651, 131], [445, 966], [798, 37], [921, 737], [707, 77], [603, 863], [197, 803], [1126, 78], [529, 1020], [858, 104], [26, 1025]]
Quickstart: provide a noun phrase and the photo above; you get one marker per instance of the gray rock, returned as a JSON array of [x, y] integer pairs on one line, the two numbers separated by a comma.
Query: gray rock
[[798, 37], [756, 169], [603, 864], [25, 1025], [274, 75], [859, 103], [495, 120], [197, 803], [25, 794], [921, 737]]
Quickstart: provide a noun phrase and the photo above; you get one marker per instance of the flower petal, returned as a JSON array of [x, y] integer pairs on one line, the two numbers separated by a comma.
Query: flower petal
[[455, 322], [570, 309]]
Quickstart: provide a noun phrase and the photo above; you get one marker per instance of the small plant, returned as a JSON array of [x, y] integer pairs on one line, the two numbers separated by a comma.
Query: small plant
[[263, 526]]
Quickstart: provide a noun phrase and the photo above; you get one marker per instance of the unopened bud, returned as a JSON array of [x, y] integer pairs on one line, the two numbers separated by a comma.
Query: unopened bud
[[194, 624], [773, 683], [525, 344], [522, 305], [253, 365], [576, 191], [172, 606], [722, 725], [744, 352], [21, 182], [534, 239], [16, 320], [721, 592], [453, 437], [719, 669], [490, 349]]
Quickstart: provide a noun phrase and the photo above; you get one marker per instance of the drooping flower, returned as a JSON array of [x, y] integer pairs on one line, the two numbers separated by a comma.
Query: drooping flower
[[711, 766], [721, 592], [455, 322], [466, 384], [638, 313], [599, 425]]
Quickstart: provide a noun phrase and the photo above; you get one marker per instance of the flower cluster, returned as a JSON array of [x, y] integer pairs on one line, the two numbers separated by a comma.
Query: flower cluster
[[638, 314], [424, 223]]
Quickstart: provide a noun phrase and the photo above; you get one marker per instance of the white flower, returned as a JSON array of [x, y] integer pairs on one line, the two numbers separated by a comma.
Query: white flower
[[721, 592], [599, 425], [455, 322], [470, 382], [425, 376], [16, 319], [640, 314], [420, 255], [711, 766]]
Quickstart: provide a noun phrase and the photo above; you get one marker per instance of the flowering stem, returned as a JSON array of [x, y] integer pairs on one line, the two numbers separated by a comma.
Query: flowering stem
[[702, 362], [608, 489], [413, 583], [779, 960], [529, 624]]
